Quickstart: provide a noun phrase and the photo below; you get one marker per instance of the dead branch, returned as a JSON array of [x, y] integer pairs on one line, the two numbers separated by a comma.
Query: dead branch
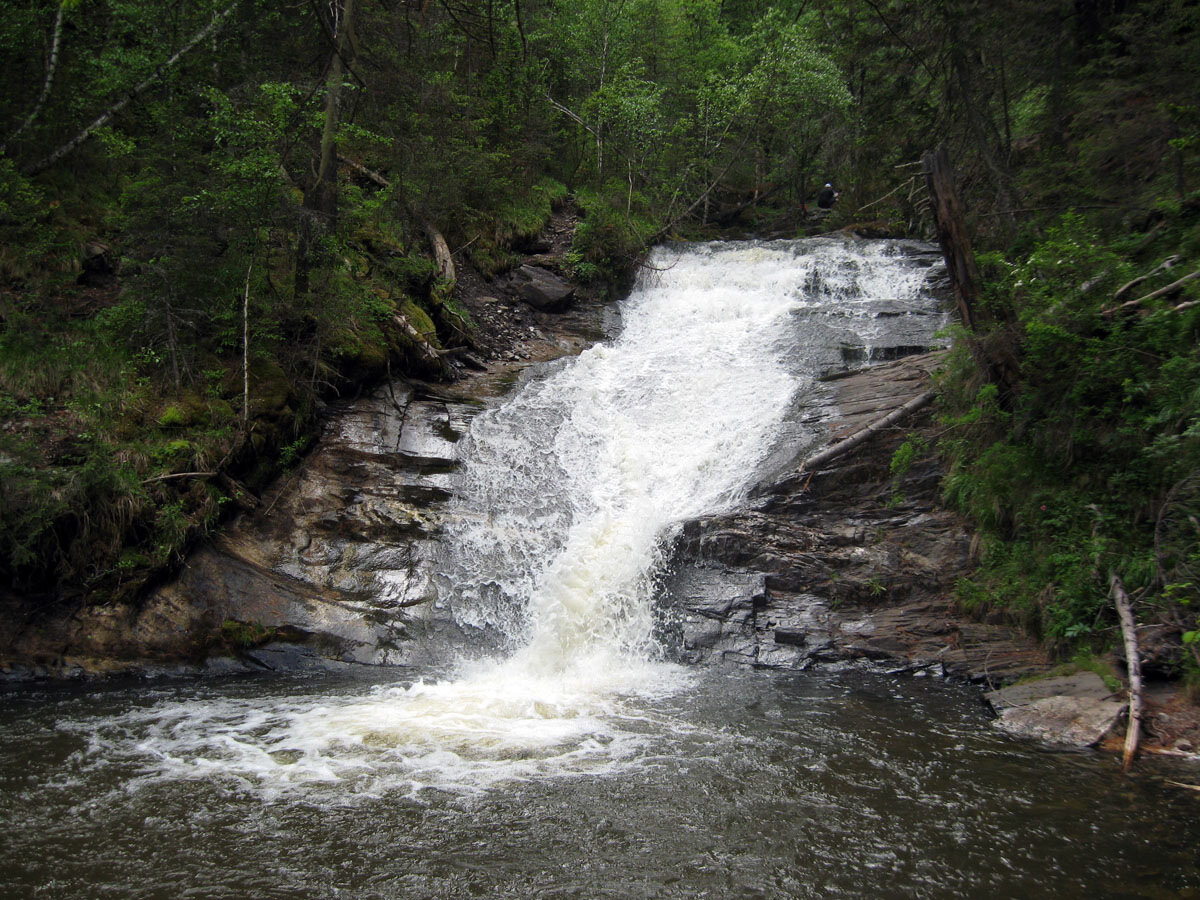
[[175, 475], [845, 446], [899, 187], [1163, 291], [1130, 285]]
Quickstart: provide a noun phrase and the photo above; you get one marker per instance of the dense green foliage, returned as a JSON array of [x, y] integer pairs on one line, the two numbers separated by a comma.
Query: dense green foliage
[[188, 184], [1092, 467]]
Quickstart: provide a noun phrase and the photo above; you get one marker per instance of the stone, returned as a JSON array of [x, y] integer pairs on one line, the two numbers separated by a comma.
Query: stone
[[1068, 711], [541, 288], [99, 263]]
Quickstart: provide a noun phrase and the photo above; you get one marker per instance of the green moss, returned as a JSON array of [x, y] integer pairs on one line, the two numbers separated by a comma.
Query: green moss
[[1083, 661], [420, 320], [239, 636]]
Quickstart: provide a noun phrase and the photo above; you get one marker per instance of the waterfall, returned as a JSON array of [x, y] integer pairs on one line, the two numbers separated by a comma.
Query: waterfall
[[556, 535], [571, 484]]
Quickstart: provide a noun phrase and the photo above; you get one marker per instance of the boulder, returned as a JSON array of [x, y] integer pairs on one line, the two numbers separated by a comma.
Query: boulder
[[1069, 711], [99, 264], [541, 288]]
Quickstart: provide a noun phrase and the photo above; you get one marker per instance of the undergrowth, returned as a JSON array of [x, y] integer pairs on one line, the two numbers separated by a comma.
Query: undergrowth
[[1092, 466]]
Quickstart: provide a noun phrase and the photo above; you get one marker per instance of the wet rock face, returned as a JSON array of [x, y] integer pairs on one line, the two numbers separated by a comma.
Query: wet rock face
[[338, 560], [840, 564], [346, 553]]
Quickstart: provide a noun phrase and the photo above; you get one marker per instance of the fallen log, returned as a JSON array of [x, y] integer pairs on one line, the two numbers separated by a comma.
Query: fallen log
[[1133, 664], [845, 446], [421, 345], [243, 498]]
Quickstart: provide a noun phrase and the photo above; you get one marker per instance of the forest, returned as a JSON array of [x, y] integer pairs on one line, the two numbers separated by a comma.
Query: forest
[[217, 215]]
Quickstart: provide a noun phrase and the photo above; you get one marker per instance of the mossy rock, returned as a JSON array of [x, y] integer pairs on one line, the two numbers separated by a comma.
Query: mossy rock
[[191, 408], [220, 411], [270, 391], [420, 320]]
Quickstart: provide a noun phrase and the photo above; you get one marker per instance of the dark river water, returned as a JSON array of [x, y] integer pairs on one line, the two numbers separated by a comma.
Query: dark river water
[[742, 785]]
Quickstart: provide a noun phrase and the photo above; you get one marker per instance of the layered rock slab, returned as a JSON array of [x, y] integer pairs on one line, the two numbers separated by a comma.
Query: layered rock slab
[[345, 554], [1072, 711], [843, 563]]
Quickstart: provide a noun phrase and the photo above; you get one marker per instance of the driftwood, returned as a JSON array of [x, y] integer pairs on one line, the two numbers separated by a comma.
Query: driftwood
[[1133, 663], [1161, 292], [845, 446]]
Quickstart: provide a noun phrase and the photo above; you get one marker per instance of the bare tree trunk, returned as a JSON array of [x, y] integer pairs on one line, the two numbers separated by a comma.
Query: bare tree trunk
[[246, 347], [995, 355], [952, 234], [841, 448], [1133, 664], [217, 21], [319, 213], [172, 343], [51, 65]]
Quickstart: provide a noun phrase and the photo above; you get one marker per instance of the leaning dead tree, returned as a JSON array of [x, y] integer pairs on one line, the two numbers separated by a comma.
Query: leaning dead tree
[[437, 243], [1133, 663]]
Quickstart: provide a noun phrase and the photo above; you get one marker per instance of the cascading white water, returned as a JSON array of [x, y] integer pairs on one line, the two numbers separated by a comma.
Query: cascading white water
[[570, 485], [555, 534]]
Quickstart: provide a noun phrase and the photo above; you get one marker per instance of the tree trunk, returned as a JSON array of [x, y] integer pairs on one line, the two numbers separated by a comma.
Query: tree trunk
[[1133, 664], [125, 99], [845, 446], [246, 348], [952, 235], [995, 354], [51, 65], [318, 216]]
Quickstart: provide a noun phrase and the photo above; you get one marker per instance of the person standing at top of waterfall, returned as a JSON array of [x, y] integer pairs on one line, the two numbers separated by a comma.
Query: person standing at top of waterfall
[[827, 197]]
